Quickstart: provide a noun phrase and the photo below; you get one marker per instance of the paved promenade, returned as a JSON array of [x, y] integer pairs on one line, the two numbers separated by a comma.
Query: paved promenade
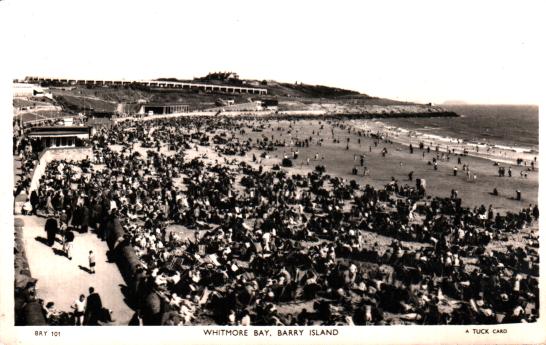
[[62, 281]]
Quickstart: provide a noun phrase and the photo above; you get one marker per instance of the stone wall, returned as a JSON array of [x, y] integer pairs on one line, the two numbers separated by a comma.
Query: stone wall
[[28, 311]]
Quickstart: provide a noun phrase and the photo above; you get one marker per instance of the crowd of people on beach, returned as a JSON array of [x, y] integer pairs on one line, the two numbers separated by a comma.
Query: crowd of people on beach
[[278, 246]]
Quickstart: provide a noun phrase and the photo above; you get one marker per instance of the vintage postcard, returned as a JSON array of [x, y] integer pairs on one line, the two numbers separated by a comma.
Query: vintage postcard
[[285, 172]]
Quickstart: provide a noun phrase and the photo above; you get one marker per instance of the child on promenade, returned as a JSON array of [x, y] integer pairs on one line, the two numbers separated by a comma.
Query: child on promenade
[[91, 262]]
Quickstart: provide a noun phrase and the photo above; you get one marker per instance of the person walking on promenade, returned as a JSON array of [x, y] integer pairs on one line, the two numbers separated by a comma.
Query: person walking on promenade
[[51, 230], [34, 201], [93, 308], [92, 262], [68, 244], [79, 310]]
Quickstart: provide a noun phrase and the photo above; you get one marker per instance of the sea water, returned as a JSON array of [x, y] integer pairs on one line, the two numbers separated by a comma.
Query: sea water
[[503, 126]]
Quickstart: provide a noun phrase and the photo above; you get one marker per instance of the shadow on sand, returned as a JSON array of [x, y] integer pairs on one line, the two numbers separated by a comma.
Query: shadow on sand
[[59, 252], [85, 269], [42, 240]]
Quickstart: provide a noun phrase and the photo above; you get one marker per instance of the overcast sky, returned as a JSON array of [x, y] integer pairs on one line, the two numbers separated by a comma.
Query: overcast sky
[[475, 51]]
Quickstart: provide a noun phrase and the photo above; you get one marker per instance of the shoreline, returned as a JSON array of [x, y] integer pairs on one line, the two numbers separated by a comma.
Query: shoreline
[[494, 152]]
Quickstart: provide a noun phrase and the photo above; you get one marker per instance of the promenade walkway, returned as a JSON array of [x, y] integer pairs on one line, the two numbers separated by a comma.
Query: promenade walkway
[[61, 280]]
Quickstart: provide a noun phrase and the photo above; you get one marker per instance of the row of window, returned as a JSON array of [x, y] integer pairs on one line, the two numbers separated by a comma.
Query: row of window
[[60, 142]]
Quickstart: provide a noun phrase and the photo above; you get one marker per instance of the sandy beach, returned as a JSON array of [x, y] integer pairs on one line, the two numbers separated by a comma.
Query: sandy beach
[[397, 163]]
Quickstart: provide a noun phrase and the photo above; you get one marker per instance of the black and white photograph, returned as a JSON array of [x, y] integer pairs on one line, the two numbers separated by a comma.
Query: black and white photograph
[[271, 172]]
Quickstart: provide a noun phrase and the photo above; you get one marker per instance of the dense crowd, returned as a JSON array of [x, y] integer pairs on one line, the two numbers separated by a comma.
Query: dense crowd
[[269, 247]]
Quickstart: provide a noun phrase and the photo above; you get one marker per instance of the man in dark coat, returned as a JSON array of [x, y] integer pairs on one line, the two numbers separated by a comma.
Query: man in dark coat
[[93, 308], [51, 229], [34, 201]]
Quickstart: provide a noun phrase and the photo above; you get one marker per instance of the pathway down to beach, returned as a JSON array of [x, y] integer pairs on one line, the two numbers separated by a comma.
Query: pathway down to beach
[[61, 280]]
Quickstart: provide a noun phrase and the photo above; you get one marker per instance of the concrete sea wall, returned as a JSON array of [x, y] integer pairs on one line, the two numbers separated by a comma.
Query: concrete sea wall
[[27, 310]]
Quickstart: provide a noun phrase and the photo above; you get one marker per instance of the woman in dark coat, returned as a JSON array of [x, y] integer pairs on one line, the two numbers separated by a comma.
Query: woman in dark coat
[[51, 229]]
